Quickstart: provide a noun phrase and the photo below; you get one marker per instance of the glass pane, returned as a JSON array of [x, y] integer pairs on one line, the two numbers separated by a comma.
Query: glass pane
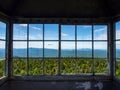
[[2, 58], [35, 66], [35, 31], [68, 32], [51, 58], [51, 49], [2, 30], [51, 31], [84, 55], [100, 57], [68, 54], [100, 32], [35, 58], [19, 31], [84, 32], [35, 49], [67, 49], [19, 58], [68, 66], [84, 49], [118, 59], [50, 66], [117, 30]]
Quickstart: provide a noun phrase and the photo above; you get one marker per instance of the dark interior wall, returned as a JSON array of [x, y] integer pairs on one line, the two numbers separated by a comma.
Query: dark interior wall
[[60, 8]]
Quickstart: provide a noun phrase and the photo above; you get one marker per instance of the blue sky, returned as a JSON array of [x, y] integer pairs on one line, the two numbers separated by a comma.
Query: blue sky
[[51, 33], [118, 35], [2, 30]]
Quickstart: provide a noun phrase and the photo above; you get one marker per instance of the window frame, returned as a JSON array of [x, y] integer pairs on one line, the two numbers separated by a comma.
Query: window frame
[[115, 47], [59, 42], [5, 41]]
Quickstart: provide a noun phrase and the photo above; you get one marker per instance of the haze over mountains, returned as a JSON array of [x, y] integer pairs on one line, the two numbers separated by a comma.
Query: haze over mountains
[[38, 52]]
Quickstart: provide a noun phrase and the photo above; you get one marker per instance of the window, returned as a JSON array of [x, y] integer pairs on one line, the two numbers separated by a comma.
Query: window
[[117, 42], [53, 49], [100, 49], [68, 61], [84, 49], [2, 48], [20, 52]]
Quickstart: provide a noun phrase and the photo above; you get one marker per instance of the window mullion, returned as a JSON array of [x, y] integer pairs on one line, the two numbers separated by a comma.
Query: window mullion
[[76, 48], [27, 49], [59, 61], [93, 50], [43, 63]]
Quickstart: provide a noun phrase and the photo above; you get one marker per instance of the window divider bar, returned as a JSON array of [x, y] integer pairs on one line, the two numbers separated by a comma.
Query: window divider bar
[[43, 63], [27, 49], [93, 73], [9, 67], [76, 48], [59, 61]]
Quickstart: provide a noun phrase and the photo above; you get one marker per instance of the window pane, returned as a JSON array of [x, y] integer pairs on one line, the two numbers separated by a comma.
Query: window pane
[[118, 59], [68, 54], [51, 49], [84, 55], [35, 66], [35, 58], [100, 32], [35, 31], [35, 49], [84, 49], [67, 49], [68, 32], [19, 31], [100, 57], [19, 58], [51, 31], [117, 30], [84, 32], [2, 58], [51, 58], [2, 30]]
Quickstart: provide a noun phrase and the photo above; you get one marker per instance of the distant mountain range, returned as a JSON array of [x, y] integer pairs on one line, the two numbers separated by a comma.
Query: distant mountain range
[[38, 52]]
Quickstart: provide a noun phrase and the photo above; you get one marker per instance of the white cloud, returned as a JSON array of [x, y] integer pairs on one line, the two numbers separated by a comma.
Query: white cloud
[[20, 37], [51, 45], [19, 44], [64, 34], [19, 34], [37, 28], [87, 26], [35, 37], [100, 45], [67, 45], [118, 34], [101, 29], [2, 36], [35, 45], [2, 44], [2, 25], [23, 25], [101, 37], [118, 45], [83, 45]]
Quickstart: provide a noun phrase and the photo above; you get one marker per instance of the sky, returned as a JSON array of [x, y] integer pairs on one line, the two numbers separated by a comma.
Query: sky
[[118, 35], [52, 33]]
